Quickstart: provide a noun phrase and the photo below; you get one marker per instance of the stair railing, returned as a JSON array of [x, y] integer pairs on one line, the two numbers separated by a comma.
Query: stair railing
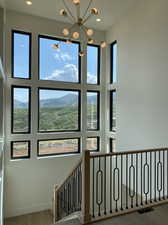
[[114, 184]]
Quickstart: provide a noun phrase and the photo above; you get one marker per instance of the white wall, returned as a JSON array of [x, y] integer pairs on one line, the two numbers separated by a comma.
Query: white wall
[[29, 183], [142, 90]]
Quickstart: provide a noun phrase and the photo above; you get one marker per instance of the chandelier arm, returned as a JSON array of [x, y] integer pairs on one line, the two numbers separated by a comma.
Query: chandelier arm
[[86, 11], [69, 11], [78, 11], [89, 16]]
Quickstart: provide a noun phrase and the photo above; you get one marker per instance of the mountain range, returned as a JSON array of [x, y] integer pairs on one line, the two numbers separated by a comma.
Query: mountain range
[[66, 100]]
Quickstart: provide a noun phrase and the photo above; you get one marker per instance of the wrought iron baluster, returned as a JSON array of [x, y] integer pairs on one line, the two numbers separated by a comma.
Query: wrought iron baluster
[[141, 180], [163, 174], [137, 179], [121, 181], [93, 194], [146, 178], [105, 186], [116, 172], [99, 201], [110, 184], [159, 187], [126, 181], [132, 191], [150, 177], [155, 177]]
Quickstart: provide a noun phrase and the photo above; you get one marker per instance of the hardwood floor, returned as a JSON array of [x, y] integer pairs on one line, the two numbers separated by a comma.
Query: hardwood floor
[[157, 217], [39, 218]]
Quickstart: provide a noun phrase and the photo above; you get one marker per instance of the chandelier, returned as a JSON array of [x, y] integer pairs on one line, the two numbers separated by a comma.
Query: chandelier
[[78, 30]]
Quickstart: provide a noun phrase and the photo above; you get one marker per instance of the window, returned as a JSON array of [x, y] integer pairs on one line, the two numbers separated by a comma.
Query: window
[[93, 64], [55, 115], [92, 143], [112, 145], [114, 62], [92, 110], [113, 110], [59, 146], [20, 109], [20, 149], [59, 110], [62, 64], [21, 54]]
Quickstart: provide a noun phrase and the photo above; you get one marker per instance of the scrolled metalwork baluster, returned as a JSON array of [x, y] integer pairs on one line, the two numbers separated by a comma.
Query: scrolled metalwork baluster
[[146, 168], [126, 181], [93, 194], [132, 172], [151, 177], [116, 172], [99, 201], [111, 184], [105, 186], [137, 180], [159, 187], [141, 179], [163, 175], [121, 182]]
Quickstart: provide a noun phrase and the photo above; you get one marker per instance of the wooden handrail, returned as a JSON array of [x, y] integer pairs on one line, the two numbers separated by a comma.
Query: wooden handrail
[[128, 152], [70, 174]]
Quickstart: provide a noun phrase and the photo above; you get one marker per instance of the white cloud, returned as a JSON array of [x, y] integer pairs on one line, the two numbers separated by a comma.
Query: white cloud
[[62, 56], [69, 73], [91, 79]]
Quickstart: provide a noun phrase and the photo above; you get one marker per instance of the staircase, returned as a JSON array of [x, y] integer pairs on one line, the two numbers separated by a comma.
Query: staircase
[[102, 186]]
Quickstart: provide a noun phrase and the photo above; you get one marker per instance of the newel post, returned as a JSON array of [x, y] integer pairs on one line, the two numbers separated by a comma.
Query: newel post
[[55, 204], [85, 208]]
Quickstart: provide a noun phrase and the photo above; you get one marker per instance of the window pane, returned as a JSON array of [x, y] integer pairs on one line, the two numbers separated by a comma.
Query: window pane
[[114, 62], [112, 144], [92, 64], [58, 64], [20, 149], [59, 110], [113, 111], [92, 144], [21, 55], [21, 110], [92, 110], [51, 147]]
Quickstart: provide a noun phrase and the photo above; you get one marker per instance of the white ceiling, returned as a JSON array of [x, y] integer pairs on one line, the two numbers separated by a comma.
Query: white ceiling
[[110, 10]]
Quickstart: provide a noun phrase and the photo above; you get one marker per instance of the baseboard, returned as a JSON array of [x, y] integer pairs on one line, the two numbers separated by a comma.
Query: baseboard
[[27, 210]]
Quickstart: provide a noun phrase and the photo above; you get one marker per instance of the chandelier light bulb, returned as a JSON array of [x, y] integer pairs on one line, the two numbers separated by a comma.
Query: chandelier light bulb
[[89, 32], [90, 41], [76, 2], [69, 41], [94, 11], [65, 32], [81, 53], [63, 12], [75, 35], [55, 46], [103, 44]]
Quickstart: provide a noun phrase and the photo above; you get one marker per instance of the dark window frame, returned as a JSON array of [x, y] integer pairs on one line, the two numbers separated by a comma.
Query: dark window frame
[[12, 108], [30, 54], [98, 109], [111, 110], [23, 157], [64, 153], [98, 143], [111, 61], [111, 144], [79, 109], [63, 40], [98, 64]]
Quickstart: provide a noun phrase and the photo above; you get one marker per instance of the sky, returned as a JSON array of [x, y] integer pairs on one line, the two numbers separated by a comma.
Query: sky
[[60, 65]]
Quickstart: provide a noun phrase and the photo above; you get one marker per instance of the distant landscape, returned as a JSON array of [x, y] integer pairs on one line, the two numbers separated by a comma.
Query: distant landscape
[[56, 114]]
